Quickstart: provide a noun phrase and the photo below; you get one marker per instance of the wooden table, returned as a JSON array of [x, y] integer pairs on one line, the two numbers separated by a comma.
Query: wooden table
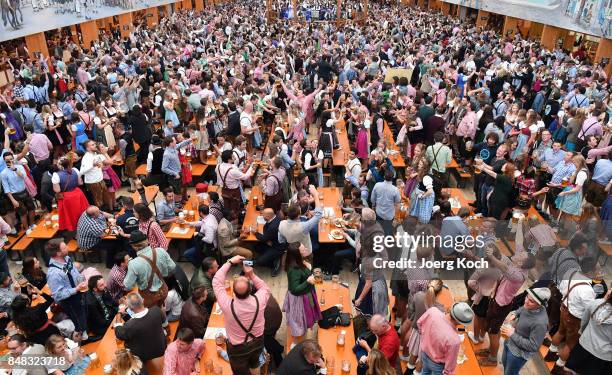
[[396, 159], [460, 196], [327, 338], [41, 231], [210, 354], [191, 205], [331, 198], [251, 214], [340, 155]]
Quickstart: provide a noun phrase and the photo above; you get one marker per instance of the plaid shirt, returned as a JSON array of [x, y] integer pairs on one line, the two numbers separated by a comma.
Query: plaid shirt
[[114, 283], [18, 92], [562, 170], [526, 186], [216, 209], [90, 230]]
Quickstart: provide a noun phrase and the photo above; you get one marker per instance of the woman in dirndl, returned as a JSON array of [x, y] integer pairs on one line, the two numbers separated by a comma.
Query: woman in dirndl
[[421, 302], [185, 155], [423, 198], [569, 200], [66, 186], [415, 172], [362, 143], [301, 304]]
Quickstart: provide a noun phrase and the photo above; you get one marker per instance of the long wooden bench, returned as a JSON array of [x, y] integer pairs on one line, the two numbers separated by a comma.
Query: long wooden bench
[[21, 246]]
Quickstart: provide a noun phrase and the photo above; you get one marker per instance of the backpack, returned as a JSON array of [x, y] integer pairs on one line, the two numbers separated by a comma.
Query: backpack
[[332, 317]]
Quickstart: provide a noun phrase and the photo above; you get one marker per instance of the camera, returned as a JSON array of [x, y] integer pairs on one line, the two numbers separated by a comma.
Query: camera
[[248, 263]]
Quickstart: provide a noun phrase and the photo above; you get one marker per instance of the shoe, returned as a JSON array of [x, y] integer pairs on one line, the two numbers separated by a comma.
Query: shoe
[[473, 204], [547, 342], [473, 338], [276, 268], [551, 356], [409, 371], [487, 362], [482, 352]]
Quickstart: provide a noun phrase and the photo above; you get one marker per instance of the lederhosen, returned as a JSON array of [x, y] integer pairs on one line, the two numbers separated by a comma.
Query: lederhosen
[[241, 164], [244, 356], [554, 303], [232, 199], [275, 201], [570, 324], [156, 176], [439, 177]]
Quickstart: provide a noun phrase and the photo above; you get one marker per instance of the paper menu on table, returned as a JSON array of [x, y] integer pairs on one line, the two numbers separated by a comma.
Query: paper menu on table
[[212, 332], [179, 230]]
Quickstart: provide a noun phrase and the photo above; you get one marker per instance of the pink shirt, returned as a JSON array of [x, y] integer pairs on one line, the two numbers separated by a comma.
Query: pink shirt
[[40, 146], [177, 362], [467, 126], [439, 339], [244, 309], [510, 283]]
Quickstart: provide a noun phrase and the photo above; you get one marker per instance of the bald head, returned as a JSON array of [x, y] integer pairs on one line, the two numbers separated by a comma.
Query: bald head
[[379, 324], [241, 287], [268, 214], [93, 211]]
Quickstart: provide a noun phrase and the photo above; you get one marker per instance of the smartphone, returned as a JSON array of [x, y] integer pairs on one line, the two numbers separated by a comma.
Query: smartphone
[[248, 263]]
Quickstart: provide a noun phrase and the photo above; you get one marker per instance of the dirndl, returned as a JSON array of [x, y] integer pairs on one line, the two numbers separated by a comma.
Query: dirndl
[[326, 143], [570, 204], [362, 143], [70, 208], [302, 312], [421, 208]]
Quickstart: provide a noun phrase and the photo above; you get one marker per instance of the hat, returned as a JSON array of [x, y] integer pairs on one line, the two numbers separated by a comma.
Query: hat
[[201, 188], [137, 236], [462, 313], [156, 140], [539, 295]]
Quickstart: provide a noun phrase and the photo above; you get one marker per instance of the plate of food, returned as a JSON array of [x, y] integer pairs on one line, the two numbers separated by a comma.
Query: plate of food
[[339, 222], [337, 234]]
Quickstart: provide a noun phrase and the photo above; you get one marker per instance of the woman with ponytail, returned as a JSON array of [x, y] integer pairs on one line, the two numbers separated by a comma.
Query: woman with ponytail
[[593, 353], [421, 301]]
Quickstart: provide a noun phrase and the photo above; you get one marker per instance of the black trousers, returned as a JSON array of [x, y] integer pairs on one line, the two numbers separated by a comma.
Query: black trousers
[[76, 309], [274, 348]]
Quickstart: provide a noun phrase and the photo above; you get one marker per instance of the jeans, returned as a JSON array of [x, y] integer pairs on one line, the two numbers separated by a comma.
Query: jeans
[[430, 367], [484, 191], [512, 364]]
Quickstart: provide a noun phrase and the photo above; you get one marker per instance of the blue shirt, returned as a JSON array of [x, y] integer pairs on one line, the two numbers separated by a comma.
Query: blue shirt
[[11, 182], [28, 114], [602, 174], [165, 210], [579, 101], [384, 197], [562, 170], [58, 281], [170, 163], [2, 162], [551, 157]]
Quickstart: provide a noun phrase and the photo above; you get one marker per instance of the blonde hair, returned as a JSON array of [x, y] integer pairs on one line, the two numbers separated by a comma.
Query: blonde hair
[[433, 289], [378, 364], [125, 361]]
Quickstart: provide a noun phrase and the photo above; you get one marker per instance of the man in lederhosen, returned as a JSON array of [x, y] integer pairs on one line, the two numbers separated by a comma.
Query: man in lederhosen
[[273, 185], [244, 316], [230, 178]]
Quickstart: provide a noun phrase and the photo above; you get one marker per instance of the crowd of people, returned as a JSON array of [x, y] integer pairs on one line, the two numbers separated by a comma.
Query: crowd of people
[[262, 106]]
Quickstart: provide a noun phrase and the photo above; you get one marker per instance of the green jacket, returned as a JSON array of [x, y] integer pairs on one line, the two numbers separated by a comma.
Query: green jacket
[[297, 281]]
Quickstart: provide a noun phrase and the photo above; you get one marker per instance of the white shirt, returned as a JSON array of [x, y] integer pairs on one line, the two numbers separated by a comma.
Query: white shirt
[[353, 167], [208, 228], [173, 303], [246, 124], [581, 178], [90, 173], [580, 296]]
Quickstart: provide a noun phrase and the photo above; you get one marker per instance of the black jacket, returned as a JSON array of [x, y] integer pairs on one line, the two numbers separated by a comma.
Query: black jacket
[[96, 322], [270, 232], [295, 363], [144, 336], [141, 130]]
